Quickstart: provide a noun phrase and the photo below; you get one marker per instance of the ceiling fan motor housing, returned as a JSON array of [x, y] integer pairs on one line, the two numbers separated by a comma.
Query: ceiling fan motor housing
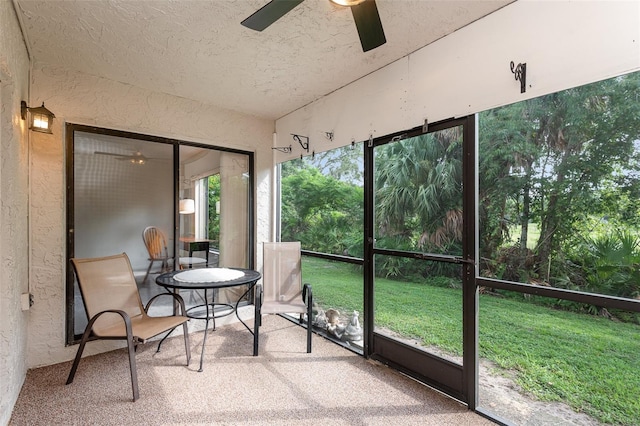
[[365, 16]]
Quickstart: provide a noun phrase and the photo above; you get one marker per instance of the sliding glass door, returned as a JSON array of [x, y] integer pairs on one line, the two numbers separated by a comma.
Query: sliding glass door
[[214, 211], [198, 197]]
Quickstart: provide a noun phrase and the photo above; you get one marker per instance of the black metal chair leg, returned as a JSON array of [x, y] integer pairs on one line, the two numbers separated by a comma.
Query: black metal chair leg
[[132, 366], [204, 342], [257, 318], [256, 330], [164, 338], [309, 302], [213, 306], [187, 345], [76, 361], [309, 327]]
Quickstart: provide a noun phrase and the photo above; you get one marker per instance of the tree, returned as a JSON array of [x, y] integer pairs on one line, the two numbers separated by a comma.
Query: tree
[[418, 193], [214, 199], [322, 212], [569, 147]]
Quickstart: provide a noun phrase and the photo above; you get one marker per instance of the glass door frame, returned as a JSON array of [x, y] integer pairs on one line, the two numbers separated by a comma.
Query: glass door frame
[[454, 380], [70, 128]]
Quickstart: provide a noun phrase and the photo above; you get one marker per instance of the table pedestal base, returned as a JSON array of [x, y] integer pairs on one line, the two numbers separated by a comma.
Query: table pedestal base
[[248, 277]]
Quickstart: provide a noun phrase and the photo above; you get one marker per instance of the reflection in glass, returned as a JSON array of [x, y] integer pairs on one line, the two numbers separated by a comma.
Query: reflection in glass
[[121, 186], [215, 234]]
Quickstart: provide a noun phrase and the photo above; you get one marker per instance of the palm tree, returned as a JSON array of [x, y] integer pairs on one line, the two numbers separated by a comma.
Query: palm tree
[[419, 191]]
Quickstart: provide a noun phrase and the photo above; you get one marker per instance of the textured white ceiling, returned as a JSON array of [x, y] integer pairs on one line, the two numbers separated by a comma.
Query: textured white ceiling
[[199, 50]]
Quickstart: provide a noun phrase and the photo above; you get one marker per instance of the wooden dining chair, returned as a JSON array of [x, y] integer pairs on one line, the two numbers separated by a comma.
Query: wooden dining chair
[[281, 291], [156, 244], [115, 311]]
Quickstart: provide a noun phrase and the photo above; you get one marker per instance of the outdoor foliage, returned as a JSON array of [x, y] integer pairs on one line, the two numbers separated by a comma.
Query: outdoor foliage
[[559, 193], [568, 164], [419, 192], [612, 263], [214, 215], [321, 211]]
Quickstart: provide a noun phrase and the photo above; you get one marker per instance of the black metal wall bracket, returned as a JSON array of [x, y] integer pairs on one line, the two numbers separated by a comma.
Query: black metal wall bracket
[[520, 74], [298, 138], [284, 149]]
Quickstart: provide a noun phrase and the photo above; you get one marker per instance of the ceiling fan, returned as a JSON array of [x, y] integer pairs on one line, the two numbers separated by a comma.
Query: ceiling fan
[[135, 158], [365, 15]]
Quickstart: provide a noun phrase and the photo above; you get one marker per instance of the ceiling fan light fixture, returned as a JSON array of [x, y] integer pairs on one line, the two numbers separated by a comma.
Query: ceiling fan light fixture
[[365, 16], [138, 158], [347, 3]]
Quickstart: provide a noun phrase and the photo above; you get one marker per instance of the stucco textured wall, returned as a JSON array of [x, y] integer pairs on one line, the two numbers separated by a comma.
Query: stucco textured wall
[[14, 207], [84, 99]]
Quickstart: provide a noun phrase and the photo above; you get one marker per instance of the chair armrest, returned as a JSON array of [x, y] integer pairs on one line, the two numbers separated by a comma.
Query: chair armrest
[[177, 297], [307, 293], [123, 314]]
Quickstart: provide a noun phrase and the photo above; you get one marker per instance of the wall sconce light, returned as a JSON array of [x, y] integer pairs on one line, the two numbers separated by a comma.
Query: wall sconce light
[[41, 119], [187, 206]]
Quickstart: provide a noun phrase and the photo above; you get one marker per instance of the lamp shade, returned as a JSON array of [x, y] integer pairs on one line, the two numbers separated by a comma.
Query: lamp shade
[[187, 206]]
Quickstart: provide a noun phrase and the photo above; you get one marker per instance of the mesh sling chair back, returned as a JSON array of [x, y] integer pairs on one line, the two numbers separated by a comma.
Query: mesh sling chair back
[[281, 291], [115, 311]]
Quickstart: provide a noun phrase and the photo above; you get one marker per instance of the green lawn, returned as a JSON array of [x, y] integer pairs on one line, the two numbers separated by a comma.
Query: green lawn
[[588, 362]]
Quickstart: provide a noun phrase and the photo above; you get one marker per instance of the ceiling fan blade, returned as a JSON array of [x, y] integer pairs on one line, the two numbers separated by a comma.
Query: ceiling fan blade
[[136, 157], [368, 24], [110, 153], [269, 13]]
